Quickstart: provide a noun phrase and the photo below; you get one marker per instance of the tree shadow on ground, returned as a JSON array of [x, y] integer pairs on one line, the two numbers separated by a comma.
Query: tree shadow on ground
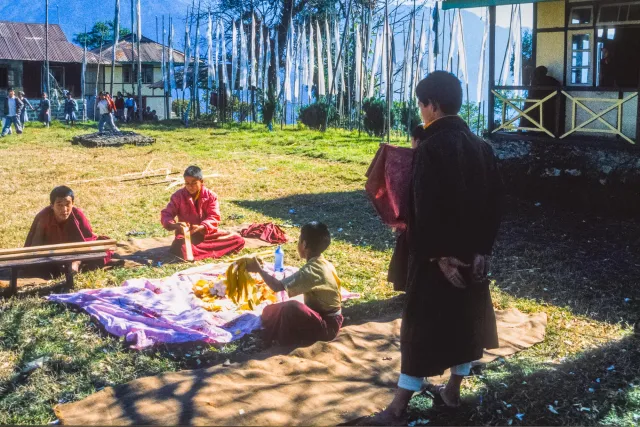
[[585, 262], [349, 215], [599, 386]]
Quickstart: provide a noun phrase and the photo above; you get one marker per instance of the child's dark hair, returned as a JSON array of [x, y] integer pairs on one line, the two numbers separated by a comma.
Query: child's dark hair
[[61, 192], [418, 132], [316, 236], [441, 89], [194, 172]]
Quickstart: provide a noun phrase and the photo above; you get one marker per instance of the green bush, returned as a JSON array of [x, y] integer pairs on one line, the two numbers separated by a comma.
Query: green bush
[[314, 116], [375, 116], [410, 112]]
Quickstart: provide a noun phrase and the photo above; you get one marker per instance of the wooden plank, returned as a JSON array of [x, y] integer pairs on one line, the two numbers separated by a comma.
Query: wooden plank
[[13, 284], [187, 243], [110, 242], [20, 263], [492, 69], [57, 252]]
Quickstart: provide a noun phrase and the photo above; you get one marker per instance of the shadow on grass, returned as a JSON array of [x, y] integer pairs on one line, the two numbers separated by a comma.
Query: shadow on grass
[[349, 215]]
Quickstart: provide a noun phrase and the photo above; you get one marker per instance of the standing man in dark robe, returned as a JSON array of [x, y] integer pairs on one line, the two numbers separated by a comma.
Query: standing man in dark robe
[[454, 215]]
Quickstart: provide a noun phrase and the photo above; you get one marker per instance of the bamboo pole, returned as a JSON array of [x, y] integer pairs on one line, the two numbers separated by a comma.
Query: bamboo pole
[[187, 244], [140, 105], [57, 252], [4, 252]]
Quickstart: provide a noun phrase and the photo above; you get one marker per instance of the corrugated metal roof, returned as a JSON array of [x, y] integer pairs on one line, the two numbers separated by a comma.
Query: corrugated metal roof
[[150, 51], [20, 41]]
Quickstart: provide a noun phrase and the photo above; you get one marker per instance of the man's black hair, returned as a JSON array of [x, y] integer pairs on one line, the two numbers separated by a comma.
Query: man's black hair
[[194, 172], [61, 192], [443, 90], [316, 236]]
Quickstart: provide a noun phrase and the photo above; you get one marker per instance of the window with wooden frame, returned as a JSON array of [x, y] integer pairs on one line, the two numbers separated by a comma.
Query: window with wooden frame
[[147, 74], [619, 13], [128, 74], [581, 16], [581, 50]]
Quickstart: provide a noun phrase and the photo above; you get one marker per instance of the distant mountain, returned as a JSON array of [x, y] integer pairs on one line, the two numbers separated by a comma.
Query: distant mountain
[[74, 15]]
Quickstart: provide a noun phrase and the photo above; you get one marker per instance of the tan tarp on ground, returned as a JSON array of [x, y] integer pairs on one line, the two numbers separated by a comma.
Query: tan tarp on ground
[[324, 384]]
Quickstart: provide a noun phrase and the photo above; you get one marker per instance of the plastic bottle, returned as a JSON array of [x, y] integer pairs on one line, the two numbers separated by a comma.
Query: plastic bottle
[[278, 265]]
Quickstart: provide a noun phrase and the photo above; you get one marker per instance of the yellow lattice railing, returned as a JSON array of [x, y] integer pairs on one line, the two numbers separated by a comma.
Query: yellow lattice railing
[[582, 127], [524, 112]]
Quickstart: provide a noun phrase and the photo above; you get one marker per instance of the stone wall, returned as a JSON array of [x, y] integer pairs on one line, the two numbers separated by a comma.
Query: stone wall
[[599, 176]]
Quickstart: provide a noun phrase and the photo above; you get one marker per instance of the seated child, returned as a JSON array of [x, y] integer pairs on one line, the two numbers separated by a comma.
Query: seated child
[[62, 222], [320, 317], [197, 208]]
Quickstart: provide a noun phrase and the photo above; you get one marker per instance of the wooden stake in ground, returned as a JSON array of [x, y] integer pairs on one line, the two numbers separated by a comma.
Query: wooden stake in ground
[[187, 243]]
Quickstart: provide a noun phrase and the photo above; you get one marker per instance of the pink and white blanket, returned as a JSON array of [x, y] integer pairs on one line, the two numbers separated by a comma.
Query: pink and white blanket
[[148, 312]]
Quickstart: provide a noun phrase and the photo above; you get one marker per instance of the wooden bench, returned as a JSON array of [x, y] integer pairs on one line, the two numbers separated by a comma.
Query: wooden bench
[[60, 255]]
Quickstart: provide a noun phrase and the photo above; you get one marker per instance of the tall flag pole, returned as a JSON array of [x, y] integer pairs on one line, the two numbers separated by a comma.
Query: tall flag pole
[[46, 51], [422, 44], [340, 62], [83, 83], [172, 71], [387, 42], [260, 69], [321, 85], [187, 58], [234, 56], [276, 54], [254, 80], [287, 67], [385, 59], [217, 73], [116, 39], [358, 64], [517, 64], [436, 46], [297, 67], [139, 19], [312, 65], [211, 69], [196, 66], [165, 81]]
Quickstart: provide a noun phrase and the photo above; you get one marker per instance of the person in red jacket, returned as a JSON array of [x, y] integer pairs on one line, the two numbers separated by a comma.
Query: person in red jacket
[[62, 222], [197, 209]]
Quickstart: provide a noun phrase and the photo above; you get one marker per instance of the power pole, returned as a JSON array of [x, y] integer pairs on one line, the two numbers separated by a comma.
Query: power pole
[[140, 110], [116, 36], [46, 48]]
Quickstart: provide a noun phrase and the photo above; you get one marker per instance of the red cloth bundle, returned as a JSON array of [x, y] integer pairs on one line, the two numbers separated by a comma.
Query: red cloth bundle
[[268, 232], [389, 184]]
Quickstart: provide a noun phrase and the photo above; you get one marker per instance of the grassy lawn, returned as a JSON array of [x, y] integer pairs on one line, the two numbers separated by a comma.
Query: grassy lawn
[[582, 270]]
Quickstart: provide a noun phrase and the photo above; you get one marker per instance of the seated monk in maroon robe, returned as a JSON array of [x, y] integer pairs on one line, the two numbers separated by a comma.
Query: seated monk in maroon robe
[[62, 222], [197, 208]]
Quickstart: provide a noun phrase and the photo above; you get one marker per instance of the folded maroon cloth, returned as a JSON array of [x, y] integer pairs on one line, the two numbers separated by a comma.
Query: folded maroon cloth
[[268, 232], [389, 184]]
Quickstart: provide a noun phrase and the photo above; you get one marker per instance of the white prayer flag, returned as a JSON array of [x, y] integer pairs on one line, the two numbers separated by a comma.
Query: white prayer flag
[[303, 61], [517, 64], [210, 64], [408, 60], [312, 66], [483, 53], [321, 86], [172, 71], [358, 64], [225, 79], [254, 82], [330, 82], [340, 66], [462, 50], [187, 41], [267, 62], [377, 54], [260, 68], [385, 59], [234, 57], [287, 66], [244, 63], [276, 54]]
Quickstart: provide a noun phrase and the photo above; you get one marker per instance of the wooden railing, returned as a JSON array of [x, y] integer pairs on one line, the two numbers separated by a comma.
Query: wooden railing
[[527, 114]]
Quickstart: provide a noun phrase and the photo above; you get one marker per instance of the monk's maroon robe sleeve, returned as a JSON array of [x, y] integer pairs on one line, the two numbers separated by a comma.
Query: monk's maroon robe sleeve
[[168, 214], [211, 214]]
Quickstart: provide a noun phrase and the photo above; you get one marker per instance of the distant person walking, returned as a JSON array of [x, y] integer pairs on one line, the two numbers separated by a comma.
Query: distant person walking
[[105, 110], [120, 107], [45, 110], [130, 105], [70, 108], [24, 116], [12, 110]]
